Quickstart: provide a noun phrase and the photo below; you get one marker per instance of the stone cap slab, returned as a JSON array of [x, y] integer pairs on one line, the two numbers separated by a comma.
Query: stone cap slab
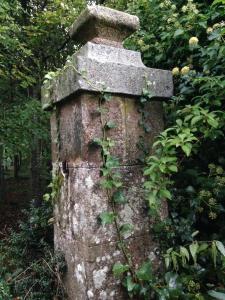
[[98, 68], [103, 25]]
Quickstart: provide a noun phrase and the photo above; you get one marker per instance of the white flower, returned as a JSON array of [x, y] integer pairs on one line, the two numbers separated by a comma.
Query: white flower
[[175, 71], [215, 26], [184, 9], [185, 70], [193, 41], [209, 30]]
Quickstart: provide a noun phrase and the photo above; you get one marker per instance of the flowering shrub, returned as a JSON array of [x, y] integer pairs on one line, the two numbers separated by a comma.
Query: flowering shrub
[[188, 167]]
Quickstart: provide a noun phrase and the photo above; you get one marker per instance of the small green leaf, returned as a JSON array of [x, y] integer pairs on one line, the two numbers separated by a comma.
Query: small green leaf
[[220, 247], [107, 218], [130, 284], [126, 228], [213, 122], [187, 149], [46, 197], [110, 125], [118, 197], [106, 96], [96, 141], [119, 269], [178, 32], [203, 247], [214, 252], [194, 249], [184, 252], [173, 168], [165, 194], [167, 261], [195, 233]]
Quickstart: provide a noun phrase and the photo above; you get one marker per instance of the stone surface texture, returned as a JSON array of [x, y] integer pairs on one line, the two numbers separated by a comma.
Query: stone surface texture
[[91, 249]]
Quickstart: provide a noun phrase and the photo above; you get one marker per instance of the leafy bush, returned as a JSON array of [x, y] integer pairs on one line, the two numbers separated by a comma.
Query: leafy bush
[[188, 166], [29, 269]]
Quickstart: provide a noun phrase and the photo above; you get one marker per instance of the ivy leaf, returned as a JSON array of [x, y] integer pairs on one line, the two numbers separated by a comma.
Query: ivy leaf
[[145, 272], [46, 197], [96, 142], [118, 197], [106, 96], [130, 284], [126, 228], [107, 218], [119, 269], [220, 247], [110, 125]]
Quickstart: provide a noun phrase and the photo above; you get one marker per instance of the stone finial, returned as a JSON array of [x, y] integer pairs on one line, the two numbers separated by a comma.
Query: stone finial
[[103, 25]]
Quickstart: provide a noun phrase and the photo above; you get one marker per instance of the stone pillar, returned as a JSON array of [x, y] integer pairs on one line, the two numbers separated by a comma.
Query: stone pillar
[[102, 64]]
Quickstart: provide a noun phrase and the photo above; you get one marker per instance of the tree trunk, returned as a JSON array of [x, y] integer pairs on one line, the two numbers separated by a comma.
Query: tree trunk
[[36, 186], [16, 165]]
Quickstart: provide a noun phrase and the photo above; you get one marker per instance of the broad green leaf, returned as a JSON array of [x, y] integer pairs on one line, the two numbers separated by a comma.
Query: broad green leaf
[[173, 168], [184, 252], [187, 149], [165, 194], [194, 249], [213, 122], [195, 120]]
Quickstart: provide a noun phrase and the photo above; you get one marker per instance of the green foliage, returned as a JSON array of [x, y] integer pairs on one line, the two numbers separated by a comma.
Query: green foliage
[[187, 167], [32, 34], [28, 267]]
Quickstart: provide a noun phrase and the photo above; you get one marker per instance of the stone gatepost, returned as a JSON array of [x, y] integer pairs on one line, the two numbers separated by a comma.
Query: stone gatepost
[[102, 63]]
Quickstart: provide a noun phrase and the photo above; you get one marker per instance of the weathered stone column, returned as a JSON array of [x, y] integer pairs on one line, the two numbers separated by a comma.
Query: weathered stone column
[[102, 64]]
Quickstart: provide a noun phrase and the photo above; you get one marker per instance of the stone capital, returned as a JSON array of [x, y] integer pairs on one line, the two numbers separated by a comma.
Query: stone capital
[[98, 68], [103, 25]]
